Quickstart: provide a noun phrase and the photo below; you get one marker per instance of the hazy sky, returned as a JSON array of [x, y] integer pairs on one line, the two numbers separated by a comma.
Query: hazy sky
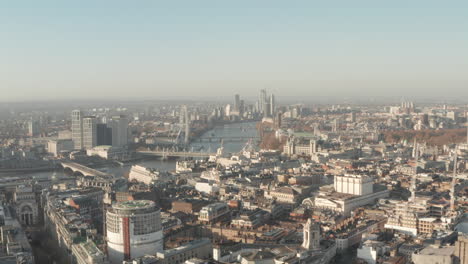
[[151, 49]]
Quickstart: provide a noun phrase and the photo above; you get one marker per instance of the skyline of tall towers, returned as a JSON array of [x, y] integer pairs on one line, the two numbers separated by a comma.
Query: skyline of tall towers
[[87, 133], [133, 230], [266, 104], [237, 109]]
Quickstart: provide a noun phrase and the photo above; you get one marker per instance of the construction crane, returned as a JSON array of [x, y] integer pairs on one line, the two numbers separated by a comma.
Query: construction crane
[[415, 173], [454, 180]]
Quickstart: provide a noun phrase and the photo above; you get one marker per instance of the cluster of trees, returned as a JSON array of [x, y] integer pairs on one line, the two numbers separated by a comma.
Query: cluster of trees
[[431, 137], [269, 141]]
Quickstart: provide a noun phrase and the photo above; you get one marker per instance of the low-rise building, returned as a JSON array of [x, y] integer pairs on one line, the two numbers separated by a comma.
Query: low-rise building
[[345, 203], [88, 253], [286, 195], [201, 248], [107, 152], [214, 212], [142, 174], [434, 255], [56, 147], [26, 205]]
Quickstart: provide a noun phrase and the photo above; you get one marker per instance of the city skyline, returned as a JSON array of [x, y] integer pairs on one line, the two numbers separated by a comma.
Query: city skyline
[[260, 132], [117, 50]]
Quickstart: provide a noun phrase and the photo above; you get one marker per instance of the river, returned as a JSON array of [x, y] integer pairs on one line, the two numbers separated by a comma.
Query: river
[[245, 130]]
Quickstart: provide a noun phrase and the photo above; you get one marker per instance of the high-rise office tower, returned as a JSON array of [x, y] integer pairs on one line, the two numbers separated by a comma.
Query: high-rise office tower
[[104, 135], [33, 128], [262, 101], [77, 129], [184, 121], [267, 112], [89, 132], [119, 126], [187, 127], [266, 104], [272, 105], [237, 103], [241, 107], [133, 230], [278, 120]]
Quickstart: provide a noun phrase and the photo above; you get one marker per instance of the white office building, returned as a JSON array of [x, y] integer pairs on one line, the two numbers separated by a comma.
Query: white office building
[[142, 174], [55, 147], [213, 212], [353, 184]]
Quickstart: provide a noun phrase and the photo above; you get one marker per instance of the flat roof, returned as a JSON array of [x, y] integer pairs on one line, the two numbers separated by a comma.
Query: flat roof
[[136, 204], [91, 248], [437, 251], [188, 246]]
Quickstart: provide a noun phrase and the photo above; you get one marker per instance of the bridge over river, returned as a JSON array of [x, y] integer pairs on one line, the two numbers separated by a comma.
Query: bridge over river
[[176, 154], [225, 139], [86, 171]]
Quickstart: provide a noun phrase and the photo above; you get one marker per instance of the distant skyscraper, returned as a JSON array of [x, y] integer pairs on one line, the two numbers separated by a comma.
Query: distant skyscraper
[[266, 104], [267, 112], [262, 102], [227, 110], [187, 127], [184, 121], [33, 128], [119, 126], [237, 103], [89, 132], [272, 105], [77, 129], [278, 119], [104, 135]]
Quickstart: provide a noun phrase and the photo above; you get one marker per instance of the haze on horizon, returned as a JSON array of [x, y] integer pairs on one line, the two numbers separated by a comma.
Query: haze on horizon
[[152, 49]]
